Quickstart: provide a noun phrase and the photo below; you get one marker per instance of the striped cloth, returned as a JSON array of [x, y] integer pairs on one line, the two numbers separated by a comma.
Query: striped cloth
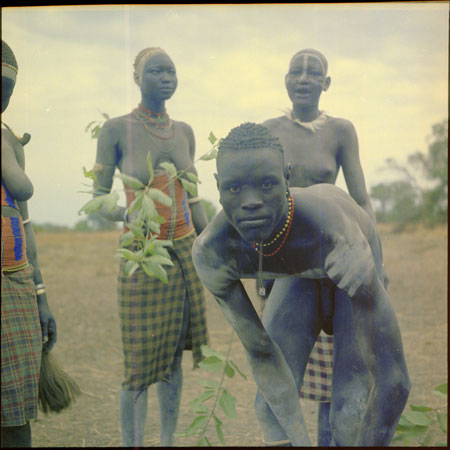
[[151, 317], [319, 370], [21, 348]]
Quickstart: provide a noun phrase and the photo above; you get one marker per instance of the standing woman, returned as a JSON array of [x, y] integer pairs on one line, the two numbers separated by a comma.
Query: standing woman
[[316, 146], [158, 321], [28, 326]]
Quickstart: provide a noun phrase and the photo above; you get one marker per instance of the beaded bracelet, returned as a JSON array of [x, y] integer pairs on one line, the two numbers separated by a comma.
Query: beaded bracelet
[[40, 291]]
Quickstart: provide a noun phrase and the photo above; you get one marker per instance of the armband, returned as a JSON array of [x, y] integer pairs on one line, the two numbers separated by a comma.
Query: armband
[[194, 200], [39, 288], [26, 221]]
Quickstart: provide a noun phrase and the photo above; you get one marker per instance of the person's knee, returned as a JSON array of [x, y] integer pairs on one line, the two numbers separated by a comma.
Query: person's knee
[[346, 415]]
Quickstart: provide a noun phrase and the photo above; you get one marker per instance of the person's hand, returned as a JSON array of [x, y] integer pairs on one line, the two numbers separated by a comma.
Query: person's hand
[[48, 325]]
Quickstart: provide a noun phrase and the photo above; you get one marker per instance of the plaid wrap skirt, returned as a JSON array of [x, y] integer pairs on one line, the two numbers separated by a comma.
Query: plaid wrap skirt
[[21, 348], [151, 317], [319, 370]]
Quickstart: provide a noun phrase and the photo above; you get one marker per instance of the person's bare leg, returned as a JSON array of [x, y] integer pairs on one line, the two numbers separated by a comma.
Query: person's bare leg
[[290, 318]]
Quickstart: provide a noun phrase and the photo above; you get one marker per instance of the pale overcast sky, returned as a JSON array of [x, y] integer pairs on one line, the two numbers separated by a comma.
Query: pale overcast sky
[[388, 63]]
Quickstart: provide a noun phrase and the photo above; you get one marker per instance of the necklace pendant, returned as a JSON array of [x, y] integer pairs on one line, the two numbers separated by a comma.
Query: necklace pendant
[[262, 291]]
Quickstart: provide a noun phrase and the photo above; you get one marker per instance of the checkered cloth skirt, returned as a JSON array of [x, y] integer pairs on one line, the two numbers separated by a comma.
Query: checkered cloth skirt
[[319, 370], [151, 317], [21, 348]]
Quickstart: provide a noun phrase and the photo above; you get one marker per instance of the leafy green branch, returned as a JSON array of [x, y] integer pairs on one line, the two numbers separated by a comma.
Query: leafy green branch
[[140, 246], [419, 426], [214, 393]]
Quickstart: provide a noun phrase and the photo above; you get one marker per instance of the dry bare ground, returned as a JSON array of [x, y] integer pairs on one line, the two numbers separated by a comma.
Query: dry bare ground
[[80, 273]]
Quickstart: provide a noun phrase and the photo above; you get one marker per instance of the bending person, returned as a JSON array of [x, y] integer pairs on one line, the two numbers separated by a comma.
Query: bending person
[[268, 230], [158, 321], [28, 325], [316, 146]]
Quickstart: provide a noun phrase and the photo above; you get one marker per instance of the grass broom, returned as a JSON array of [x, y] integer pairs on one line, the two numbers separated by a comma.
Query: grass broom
[[57, 389]]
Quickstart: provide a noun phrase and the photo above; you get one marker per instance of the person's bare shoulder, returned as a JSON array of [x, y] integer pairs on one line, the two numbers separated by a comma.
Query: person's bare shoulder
[[342, 126], [212, 257], [275, 123]]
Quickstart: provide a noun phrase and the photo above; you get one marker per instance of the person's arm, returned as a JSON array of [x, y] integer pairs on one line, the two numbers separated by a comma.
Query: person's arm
[[354, 176], [105, 166], [199, 217], [351, 168], [269, 367], [48, 323]]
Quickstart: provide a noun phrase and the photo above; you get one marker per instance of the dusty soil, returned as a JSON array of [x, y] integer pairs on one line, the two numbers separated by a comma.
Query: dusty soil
[[80, 273]]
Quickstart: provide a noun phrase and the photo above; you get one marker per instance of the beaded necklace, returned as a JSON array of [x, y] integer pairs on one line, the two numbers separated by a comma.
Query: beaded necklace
[[284, 231], [158, 120], [138, 113]]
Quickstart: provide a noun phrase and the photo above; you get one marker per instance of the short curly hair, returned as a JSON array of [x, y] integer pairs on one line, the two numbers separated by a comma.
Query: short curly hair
[[8, 57], [249, 136]]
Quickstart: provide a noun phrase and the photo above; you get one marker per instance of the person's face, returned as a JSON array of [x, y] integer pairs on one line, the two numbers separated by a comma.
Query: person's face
[[305, 80], [7, 90], [252, 186], [159, 78]]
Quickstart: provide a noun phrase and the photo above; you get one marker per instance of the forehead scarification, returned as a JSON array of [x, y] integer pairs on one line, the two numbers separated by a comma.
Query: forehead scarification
[[314, 54]]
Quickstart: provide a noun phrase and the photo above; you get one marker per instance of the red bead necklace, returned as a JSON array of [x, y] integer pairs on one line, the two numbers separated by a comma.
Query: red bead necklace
[[285, 230]]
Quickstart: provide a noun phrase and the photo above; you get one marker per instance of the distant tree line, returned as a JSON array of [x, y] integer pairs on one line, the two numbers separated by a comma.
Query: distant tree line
[[420, 194]]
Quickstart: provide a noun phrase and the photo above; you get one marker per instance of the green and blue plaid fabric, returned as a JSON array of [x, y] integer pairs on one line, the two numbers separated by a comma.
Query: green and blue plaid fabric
[[151, 317], [21, 348]]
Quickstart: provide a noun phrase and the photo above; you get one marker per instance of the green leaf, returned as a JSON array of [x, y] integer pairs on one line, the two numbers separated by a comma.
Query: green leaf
[[154, 226], [238, 370], [89, 125], [211, 363], [208, 351], [130, 267], [92, 205], [160, 251], [196, 404], [137, 231], [227, 402], [169, 167], [201, 442], [207, 441], [442, 388], [126, 239], [189, 186], [229, 371], [127, 254], [412, 434], [160, 196], [192, 177], [198, 422], [212, 138], [110, 201], [155, 270], [158, 259], [148, 207], [89, 174], [421, 408], [417, 418], [212, 154], [442, 420], [136, 204], [210, 384], [219, 430], [130, 181]]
